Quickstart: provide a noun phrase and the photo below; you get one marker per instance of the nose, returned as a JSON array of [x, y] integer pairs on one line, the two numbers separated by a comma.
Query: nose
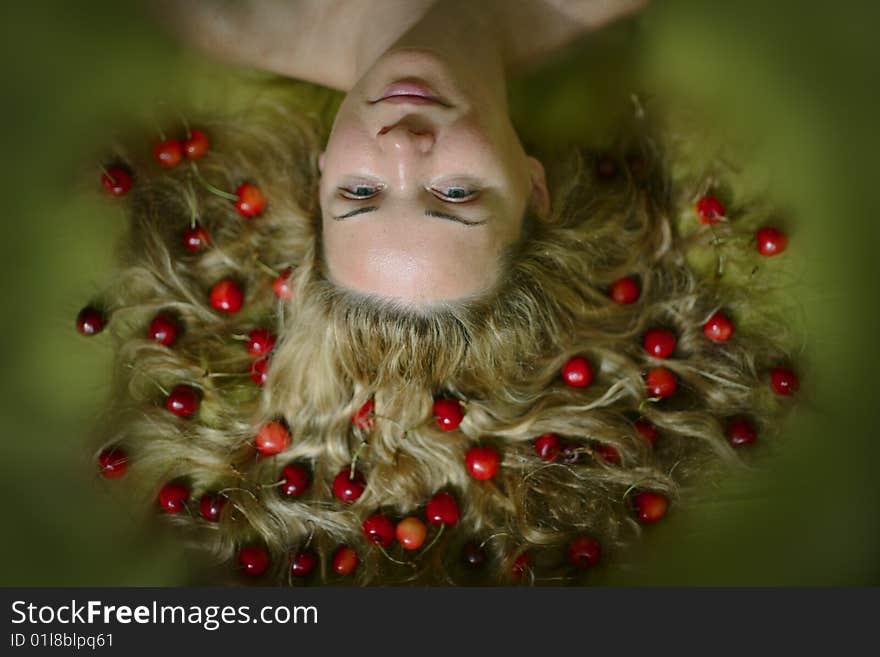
[[407, 138]]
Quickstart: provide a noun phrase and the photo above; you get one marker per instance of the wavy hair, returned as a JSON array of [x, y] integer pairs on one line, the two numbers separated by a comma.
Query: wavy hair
[[618, 215]]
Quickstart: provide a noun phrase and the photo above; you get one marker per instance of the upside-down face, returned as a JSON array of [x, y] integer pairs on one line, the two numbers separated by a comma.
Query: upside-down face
[[424, 184]]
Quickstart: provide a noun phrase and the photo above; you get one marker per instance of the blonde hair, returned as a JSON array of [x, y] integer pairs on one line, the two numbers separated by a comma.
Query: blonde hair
[[500, 356]]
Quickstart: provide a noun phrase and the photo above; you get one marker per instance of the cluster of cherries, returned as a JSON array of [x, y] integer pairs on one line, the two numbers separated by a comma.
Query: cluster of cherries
[[249, 201], [769, 241], [442, 510], [660, 343], [226, 296]]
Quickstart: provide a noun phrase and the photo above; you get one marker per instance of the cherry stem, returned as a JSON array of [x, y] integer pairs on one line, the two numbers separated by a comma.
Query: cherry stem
[[649, 400], [275, 485], [159, 129], [155, 382], [354, 459], [107, 173], [243, 490], [185, 124], [490, 537], [223, 375], [716, 245], [193, 208], [390, 558], [210, 187], [309, 539], [392, 420], [266, 268], [434, 540]]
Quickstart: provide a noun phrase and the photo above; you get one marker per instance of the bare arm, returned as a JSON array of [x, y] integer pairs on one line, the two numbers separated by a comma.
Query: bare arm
[[536, 29], [312, 40], [320, 41]]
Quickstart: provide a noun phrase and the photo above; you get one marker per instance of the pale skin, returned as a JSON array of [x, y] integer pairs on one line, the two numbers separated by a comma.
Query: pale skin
[[424, 181]]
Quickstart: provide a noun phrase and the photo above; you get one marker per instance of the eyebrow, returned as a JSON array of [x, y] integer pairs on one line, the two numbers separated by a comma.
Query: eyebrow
[[428, 213]]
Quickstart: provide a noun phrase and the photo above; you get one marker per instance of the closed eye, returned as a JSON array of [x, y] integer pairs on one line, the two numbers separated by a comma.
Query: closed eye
[[359, 191], [455, 194]]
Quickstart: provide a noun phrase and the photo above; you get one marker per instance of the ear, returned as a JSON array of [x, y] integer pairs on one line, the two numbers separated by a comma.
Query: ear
[[321, 161], [540, 194]]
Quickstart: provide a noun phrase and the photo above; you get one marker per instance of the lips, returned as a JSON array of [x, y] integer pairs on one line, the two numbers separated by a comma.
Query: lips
[[410, 92]]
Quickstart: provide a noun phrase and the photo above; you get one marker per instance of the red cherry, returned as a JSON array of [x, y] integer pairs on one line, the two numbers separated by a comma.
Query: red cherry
[[659, 343], [570, 453], [379, 529], [90, 321], [449, 413], [473, 555], [173, 497], [646, 430], [163, 330], [303, 563], [784, 381], [196, 238], [210, 506], [624, 291], [709, 210], [771, 241], [548, 446], [282, 285], [196, 145], [522, 563], [168, 153], [259, 370], [718, 328], [577, 372], [347, 488], [607, 453], [650, 506], [584, 552], [482, 462], [260, 342], [660, 382], [227, 297], [116, 181], [411, 533], [741, 432], [250, 201], [183, 400], [272, 438], [638, 167], [253, 560], [296, 480], [442, 509], [345, 560], [113, 462], [363, 418], [606, 168]]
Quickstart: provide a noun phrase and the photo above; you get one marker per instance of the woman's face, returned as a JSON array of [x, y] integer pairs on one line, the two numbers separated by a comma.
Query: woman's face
[[424, 183]]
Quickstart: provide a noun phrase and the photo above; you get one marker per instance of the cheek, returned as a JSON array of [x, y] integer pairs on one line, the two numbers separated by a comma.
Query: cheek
[[349, 148]]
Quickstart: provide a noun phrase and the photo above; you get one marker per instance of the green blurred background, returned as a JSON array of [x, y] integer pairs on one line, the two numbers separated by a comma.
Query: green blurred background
[[798, 81]]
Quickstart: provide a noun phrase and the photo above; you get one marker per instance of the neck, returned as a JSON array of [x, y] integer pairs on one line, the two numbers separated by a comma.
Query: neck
[[463, 34]]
